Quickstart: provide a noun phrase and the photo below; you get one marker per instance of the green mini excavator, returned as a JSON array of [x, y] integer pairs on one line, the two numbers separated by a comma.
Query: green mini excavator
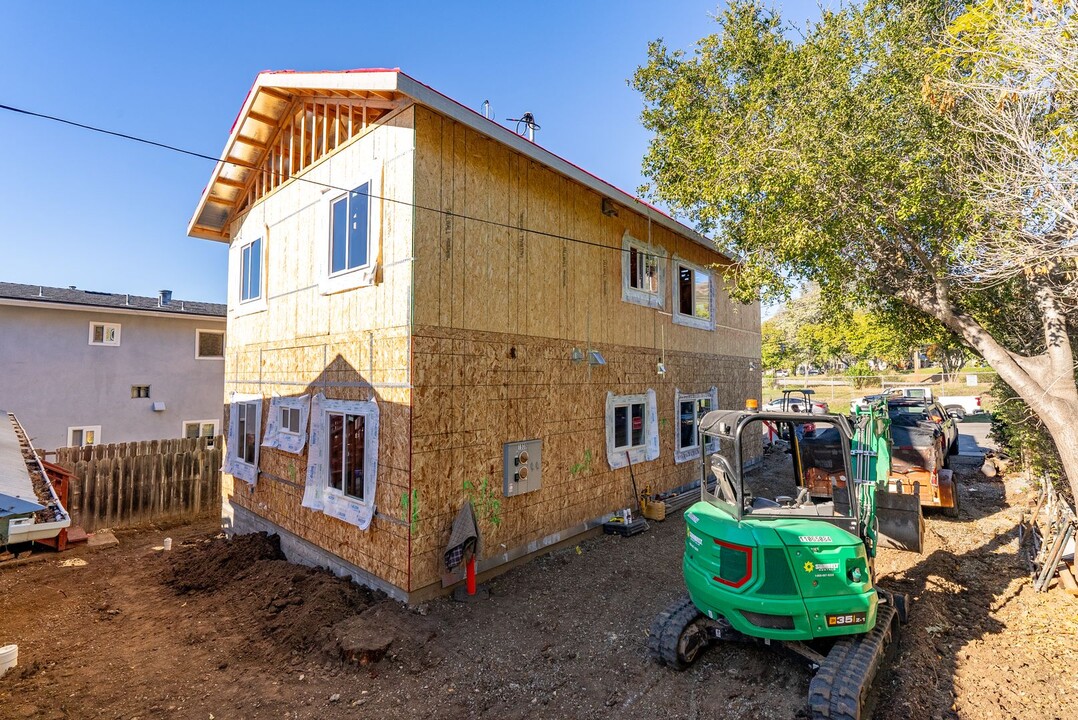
[[790, 572]]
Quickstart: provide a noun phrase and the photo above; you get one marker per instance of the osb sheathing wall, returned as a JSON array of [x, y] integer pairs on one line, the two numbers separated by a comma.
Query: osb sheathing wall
[[349, 345], [497, 314]]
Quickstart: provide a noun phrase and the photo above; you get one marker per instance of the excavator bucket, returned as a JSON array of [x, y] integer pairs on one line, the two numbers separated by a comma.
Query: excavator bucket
[[901, 524]]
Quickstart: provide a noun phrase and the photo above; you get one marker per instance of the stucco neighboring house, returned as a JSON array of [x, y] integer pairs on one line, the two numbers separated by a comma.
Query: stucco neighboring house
[[425, 307], [84, 368]]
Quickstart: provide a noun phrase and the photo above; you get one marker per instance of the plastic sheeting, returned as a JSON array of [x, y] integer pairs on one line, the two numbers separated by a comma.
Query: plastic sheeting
[[318, 495], [650, 450], [233, 465], [276, 436]]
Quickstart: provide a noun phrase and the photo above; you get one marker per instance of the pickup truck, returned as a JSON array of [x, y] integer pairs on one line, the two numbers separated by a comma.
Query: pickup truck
[[957, 406]]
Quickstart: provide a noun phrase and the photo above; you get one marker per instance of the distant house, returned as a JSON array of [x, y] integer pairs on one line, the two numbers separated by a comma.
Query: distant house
[[425, 307], [85, 368]]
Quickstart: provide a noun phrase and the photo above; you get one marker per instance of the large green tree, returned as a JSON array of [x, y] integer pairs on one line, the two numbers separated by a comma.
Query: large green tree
[[826, 156]]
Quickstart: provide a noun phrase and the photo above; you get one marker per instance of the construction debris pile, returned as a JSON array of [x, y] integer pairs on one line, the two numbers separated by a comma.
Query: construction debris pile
[[46, 495], [1052, 541]]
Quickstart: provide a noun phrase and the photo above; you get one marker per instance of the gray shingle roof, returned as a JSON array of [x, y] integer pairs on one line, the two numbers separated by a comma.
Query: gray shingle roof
[[71, 296]]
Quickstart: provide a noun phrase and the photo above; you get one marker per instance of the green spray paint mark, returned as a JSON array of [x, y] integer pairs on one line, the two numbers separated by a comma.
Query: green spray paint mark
[[487, 506]]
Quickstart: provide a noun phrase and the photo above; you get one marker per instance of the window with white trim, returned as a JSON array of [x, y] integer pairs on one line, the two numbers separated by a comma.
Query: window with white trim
[[194, 429], [251, 271], [349, 244], [290, 420], [84, 435], [247, 431], [694, 295], [629, 419], [209, 344], [199, 428], [104, 333], [345, 453], [689, 409], [140, 391], [643, 272]]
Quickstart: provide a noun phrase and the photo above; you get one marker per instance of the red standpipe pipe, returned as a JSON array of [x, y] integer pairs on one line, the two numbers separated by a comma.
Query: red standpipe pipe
[[471, 575]]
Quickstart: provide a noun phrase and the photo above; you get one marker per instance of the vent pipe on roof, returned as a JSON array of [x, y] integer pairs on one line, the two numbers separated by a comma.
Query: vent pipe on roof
[[41, 291], [127, 299], [70, 287], [488, 110], [530, 126], [164, 297]]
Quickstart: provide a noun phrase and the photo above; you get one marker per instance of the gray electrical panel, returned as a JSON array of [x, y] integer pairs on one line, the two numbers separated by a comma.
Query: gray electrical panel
[[523, 467]]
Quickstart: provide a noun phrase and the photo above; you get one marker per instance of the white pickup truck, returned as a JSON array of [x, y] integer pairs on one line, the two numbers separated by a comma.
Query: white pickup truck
[[957, 406]]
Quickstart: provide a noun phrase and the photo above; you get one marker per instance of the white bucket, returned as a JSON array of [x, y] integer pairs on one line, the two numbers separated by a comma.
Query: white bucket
[[9, 658], [167, 543]]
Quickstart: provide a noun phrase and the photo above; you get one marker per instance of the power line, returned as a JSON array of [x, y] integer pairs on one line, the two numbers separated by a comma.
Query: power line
[[251, 166]]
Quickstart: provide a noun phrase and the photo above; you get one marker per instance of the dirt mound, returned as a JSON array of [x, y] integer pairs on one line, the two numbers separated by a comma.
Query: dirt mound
[[296, 606], [209, 565]]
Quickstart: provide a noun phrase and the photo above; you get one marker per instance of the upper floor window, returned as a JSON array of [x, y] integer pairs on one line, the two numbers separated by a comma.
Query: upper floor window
[[694, 296], [251, 270], [104, 333], [209, 344], [349, 246], [643, 273]]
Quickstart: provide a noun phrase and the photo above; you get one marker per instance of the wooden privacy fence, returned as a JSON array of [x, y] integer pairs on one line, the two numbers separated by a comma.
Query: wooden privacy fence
[[138, 482]]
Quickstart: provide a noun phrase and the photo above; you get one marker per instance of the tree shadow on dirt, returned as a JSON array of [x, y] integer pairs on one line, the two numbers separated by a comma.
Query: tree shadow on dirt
[[954, 595]]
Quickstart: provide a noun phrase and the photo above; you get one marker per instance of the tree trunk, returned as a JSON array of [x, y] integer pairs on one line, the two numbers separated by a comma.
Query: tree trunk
[[1045, 382]]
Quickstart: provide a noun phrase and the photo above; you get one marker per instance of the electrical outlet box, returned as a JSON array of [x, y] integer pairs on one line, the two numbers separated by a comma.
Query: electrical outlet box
[[523, 467]]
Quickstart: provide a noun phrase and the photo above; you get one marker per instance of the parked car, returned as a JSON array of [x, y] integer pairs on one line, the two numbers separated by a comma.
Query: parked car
[[957, 406], [799, 401], [913, 420]]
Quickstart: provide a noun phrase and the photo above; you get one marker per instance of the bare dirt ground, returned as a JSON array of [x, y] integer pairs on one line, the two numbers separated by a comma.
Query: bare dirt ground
[[216, 630]]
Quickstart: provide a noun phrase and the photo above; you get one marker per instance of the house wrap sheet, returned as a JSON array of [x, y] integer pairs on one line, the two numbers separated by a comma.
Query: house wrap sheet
[[233, 465], [275, 437]]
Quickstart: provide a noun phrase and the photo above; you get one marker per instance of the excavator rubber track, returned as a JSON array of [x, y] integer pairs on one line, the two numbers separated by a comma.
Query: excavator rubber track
[[841, 688]]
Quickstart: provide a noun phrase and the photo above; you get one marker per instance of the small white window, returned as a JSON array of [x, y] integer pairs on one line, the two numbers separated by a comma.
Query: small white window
[[199, 428], [244, 431], [631, 429], [85, 435], [209, 344], [349, 241], [140, 391], [104, 333], [689, 409], [251, 271], [290, 420], [643, 273], [694, 296], [629, 425]]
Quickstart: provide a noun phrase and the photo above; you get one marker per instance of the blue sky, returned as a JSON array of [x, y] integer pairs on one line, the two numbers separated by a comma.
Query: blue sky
[[104, 214]]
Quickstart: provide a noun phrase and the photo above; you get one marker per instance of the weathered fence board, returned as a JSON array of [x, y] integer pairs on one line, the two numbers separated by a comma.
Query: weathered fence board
[[138, 482]]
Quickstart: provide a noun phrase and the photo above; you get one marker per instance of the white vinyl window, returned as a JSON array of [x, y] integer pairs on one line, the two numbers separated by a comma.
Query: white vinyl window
[[349, 243], [629, 421], [345, 453], [104, 333], [209, 344], [632, 429], [342, 463], [251, 271], [247, 422], [689, 409], [200, 429], [290, 420], [694, 296], [643, 273], [84, 435]]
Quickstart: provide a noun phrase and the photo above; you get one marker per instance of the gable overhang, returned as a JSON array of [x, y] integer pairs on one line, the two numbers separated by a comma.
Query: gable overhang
[[274, 94]]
